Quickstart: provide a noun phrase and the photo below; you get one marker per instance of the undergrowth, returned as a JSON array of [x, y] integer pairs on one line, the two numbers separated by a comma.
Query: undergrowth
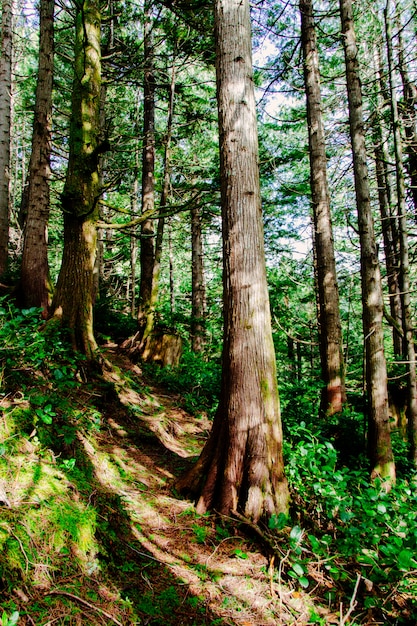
[[195, 379], [348, 544]]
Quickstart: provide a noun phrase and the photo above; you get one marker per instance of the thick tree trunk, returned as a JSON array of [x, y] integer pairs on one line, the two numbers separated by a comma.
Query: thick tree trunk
[[241, 466], [330, 334], [5, 120], [147, 253], [379, 440], [405, 283], [73, 299], [35, 281]]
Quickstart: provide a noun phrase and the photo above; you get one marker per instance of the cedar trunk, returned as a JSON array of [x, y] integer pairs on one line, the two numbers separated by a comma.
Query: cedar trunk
[[330, 334], [147, 254], [197, 279], [405, 283], [5, 118], [35, 281], [73, 300], [241, 465], [379, 439], [149, 318]]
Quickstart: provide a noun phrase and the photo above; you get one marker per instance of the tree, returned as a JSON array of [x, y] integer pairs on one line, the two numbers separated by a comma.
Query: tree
[[388, 220], [241, 465], [35, 280], [379, 440], [5, 119], [197, 279], [73, 299], [147, 252], [404, 275], [156, 267], [330, 334]]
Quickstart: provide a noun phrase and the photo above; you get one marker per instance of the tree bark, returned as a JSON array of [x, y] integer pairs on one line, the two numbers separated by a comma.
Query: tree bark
[[73, 299], [241, 466], [5, 121], [147, 254], [35, 280], [379, 440], [330, 334], [405, 284], [156, 269], [388, 219], [409, 118], [197, 280]]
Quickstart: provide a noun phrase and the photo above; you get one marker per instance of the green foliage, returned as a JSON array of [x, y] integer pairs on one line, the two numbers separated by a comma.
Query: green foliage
[[197, 380], [10, 620], [31, 347], [346, 524]]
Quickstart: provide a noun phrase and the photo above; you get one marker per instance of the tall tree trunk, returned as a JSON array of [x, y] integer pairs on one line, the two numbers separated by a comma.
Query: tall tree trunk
[[388, 219], [73, 299], [404, 259], [35, 280], [133, 236], [148, 167], [5, 123], [197, 280], [156, 269], [330, 334], [171, 269], [409, 117], [379, 440], [241, 465]]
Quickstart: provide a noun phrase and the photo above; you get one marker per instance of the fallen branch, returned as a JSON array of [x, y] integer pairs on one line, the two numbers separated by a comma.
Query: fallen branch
[[352, 603], [85, 603]]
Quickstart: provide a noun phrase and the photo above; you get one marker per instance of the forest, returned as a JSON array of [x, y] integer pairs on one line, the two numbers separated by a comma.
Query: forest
[[208, 267]]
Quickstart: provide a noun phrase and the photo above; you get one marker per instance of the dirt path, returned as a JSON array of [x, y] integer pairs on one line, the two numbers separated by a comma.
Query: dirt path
[[192, 570]]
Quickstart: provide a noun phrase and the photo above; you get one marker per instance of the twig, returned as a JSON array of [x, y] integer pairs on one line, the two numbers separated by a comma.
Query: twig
[[281, 563], [268, 542], [352, 603], [218, 546], [271, 575], [85, 603]]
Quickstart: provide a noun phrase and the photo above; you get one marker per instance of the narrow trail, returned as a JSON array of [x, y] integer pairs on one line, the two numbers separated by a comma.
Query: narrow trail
[[214, 575]]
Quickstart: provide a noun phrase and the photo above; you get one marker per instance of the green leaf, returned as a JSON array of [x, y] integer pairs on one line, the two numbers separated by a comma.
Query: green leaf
[[304, 582], [298, 569], [296, 533], [405, 560], [277, 522], [14, 618], [240, 554]]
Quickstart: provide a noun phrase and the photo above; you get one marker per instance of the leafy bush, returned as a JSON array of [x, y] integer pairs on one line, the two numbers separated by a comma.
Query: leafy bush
[[347, 526], [197, 380]]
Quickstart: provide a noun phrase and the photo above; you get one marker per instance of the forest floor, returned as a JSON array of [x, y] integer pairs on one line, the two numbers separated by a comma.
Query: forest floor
[[152, 560]]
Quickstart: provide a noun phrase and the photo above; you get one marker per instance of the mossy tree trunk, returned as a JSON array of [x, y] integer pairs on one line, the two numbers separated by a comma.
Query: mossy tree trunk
[[73, 299], [241, 466]]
